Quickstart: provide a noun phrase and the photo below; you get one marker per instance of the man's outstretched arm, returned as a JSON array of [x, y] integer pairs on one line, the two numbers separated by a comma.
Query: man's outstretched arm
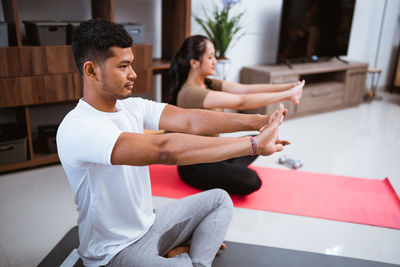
[[183, 149], [206, 122]]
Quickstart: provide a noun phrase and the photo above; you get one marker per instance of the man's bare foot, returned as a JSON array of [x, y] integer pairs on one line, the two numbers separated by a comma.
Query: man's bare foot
[[296, 93], [222, 247], [178, 250], [185, 249]]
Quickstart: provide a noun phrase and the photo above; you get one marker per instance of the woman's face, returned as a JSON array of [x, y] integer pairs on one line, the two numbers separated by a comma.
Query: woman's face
[[208, 60]]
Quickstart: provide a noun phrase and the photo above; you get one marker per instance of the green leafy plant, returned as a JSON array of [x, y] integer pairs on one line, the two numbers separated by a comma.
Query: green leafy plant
[[222, 28]]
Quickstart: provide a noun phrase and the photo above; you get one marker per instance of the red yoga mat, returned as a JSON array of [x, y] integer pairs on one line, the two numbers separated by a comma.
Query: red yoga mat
[[341, 198]]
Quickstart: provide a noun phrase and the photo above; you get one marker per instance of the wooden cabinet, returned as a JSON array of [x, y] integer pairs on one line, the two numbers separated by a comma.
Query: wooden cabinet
[[396, 81], [46, 75], [329, 85]]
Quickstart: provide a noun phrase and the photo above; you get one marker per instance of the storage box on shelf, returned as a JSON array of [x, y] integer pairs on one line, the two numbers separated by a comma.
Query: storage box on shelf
[[47, 138], [12, 144], [12, 151], [329, 85], [135, 30], [3, 34], [46, 32]]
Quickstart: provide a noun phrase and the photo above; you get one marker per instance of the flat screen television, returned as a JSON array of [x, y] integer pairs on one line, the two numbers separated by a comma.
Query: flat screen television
[[314, 29]]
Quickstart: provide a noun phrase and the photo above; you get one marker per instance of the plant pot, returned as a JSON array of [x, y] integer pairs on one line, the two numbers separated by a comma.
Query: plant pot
[[222, 67]]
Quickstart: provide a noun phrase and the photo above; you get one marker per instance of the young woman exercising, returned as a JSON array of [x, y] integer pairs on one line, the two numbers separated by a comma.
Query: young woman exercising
[[191, 88]]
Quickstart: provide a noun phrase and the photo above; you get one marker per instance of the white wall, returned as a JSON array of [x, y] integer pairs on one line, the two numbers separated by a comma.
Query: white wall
[[263, 19], [368, 33], [260, 45]]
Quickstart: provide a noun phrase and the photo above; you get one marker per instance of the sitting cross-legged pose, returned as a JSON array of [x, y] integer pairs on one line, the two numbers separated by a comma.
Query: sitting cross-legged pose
[[105, 154], [191, 88]]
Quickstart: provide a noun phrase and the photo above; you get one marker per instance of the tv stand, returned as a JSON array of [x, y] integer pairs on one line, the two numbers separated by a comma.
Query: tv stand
[[342, 60], [287, 63], [330, 84]]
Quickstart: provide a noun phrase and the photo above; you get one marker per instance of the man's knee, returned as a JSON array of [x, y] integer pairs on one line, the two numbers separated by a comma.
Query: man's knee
[[223, 198]]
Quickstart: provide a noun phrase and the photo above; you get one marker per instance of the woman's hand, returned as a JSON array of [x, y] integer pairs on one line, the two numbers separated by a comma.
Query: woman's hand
[[296, 92]]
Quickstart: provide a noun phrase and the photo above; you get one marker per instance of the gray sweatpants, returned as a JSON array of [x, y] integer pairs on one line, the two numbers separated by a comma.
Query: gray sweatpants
[[200, 220]]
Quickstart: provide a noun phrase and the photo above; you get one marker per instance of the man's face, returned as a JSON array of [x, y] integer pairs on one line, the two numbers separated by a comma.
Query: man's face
[[117, 74]]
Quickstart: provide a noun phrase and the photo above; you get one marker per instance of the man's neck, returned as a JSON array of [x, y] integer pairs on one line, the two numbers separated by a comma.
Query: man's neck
[[99, 102]]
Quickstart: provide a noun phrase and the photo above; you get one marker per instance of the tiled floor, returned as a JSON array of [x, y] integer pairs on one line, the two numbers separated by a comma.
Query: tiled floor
[[37, 209]]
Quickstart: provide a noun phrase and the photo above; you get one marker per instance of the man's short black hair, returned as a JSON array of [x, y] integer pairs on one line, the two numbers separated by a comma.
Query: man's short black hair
[[93, 39]]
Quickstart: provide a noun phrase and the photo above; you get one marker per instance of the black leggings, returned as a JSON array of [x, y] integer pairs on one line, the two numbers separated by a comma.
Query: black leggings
[[233, 175]]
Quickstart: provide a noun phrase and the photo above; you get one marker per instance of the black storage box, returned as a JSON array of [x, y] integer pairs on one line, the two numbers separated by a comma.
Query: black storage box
[[47, 138], [46, 32], [12, 144], [136, 31], [3, 34], [71, 27]]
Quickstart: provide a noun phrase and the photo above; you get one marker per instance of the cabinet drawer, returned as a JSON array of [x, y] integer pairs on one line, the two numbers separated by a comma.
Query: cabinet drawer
[[38, 89], [321, 96], [285, 78]]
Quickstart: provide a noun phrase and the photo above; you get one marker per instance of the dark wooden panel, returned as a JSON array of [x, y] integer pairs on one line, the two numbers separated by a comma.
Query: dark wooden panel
[[160, 65], [397, 74], [143, 67], [144, 81], [36, 90], [175, 25], [143, 56], [103, 9], [78, 86], [10, 11], [166, 87], [38, 60]]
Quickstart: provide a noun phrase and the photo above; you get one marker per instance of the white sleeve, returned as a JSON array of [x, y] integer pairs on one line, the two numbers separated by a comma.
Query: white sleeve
[[151, 111], [152, 114], [83, 142]]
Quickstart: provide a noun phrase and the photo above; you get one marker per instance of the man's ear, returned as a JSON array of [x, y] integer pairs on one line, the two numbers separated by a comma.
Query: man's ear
[[90, 69], [194, 63]]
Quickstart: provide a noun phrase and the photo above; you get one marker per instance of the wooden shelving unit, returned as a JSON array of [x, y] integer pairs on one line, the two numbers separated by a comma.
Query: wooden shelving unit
[[160, 65], [41, 75]]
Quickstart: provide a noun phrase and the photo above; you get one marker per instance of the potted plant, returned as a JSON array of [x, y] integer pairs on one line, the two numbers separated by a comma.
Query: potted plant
[[221, 27]]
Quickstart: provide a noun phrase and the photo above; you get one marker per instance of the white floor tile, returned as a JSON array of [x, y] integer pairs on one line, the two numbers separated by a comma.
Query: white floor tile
[[36, 209], [3, 258]]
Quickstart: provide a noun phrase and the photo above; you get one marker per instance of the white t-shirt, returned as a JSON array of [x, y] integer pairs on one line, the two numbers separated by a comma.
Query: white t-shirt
[[114, 201]]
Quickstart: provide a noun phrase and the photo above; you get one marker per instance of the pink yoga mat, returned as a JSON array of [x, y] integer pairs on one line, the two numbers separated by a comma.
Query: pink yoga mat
[[348, 199]]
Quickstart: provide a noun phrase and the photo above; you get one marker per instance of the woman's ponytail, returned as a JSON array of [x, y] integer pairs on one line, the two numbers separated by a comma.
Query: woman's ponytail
[[192, 48]]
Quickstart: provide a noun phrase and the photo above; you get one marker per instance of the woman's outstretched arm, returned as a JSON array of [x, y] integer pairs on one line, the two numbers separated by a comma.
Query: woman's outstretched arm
[[238, 88], [218, 99]]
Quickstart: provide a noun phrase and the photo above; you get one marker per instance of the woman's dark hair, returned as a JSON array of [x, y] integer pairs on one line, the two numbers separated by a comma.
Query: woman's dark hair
[[93, 39], [192, 48]]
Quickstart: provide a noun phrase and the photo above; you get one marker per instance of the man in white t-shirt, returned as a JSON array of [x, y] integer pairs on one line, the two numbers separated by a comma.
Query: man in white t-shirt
[[105, 155]]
